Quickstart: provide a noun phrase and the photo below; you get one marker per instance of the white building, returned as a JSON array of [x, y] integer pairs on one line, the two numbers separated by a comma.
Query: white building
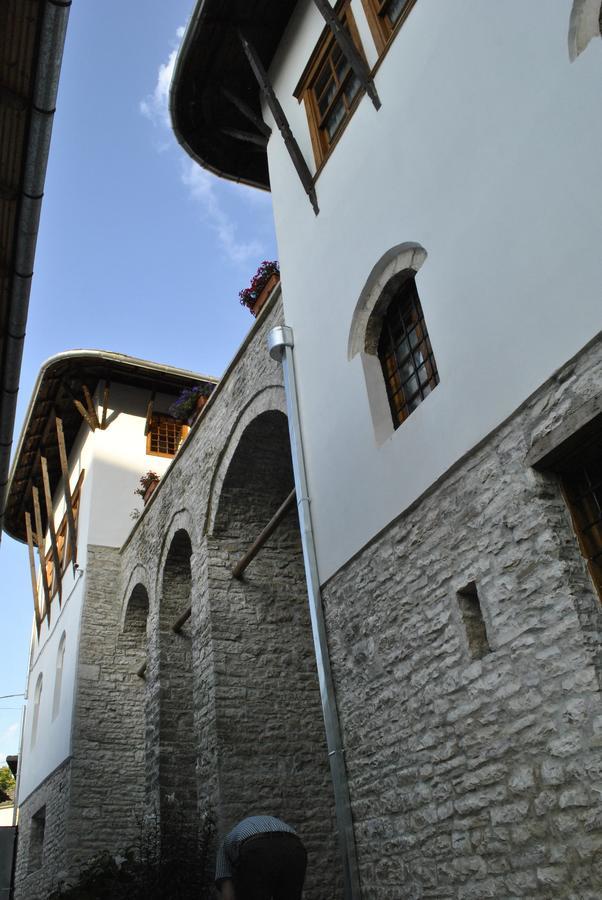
[[435, 178], [103, 420]]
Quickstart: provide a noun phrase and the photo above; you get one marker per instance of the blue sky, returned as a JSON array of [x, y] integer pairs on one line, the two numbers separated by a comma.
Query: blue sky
[[140, 251]]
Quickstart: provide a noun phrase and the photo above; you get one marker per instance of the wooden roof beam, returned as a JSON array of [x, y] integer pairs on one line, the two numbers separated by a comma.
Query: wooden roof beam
[[278, 113]]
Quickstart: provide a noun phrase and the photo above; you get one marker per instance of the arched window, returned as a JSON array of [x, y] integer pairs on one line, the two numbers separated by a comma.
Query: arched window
[[389, 334], [405, 353], [58, 677], [37, 699]]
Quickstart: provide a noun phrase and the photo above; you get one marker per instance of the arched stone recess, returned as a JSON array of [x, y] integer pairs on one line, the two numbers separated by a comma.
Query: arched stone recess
[[584, 24], [131, 651], [135, 594], [270, 398], [393, 268], [269, 731], [170, 736], [181, 520]]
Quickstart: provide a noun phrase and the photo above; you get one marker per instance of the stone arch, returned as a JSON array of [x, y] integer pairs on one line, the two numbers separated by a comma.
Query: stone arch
[[269, 398], [396, 266], [584, 24], [177, 746], [269, 730]]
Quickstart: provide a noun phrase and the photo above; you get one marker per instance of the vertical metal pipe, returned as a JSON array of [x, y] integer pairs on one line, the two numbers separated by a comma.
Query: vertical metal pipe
[[280, 344]]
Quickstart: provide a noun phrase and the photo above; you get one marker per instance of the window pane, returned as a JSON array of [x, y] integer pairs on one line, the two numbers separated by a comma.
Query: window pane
[[404, 342]]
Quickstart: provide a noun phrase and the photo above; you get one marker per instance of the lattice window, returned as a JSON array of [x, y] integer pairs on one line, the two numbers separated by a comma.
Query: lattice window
[[385, 17], [329, 87], [581, 477], [406, 354], [164, 436]]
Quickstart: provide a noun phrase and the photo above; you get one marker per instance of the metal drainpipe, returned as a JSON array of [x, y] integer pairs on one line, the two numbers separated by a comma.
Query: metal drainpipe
[[280, 345], [50, 55]]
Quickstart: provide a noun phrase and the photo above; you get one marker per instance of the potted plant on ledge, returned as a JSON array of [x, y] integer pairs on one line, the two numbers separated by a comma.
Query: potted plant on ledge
[[262, 284], [190, 402], [148, 484]]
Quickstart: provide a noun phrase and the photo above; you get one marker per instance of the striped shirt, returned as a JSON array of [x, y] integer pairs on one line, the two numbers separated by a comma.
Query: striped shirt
[[227, 855]]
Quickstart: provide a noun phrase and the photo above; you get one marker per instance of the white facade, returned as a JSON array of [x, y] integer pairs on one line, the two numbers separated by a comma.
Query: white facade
[[113, 460], [491, 166]]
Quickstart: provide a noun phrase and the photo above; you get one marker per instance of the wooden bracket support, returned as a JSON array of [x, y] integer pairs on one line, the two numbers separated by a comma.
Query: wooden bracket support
[[349, 50], [60, 436], [105, 403], [258, 543], [181, 620], [32, 571], [50, 517], [40, 542], [291, 144]]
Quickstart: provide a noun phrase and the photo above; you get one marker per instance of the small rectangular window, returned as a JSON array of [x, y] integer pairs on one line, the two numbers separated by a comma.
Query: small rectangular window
[[329, 87], [36, 840], [385, 17], [474, 624], [164, 436]]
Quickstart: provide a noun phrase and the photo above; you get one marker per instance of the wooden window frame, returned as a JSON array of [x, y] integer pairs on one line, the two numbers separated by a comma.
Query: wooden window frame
[[383, 31], [156, 420], [402, 404], [585, 507], [322, 145]]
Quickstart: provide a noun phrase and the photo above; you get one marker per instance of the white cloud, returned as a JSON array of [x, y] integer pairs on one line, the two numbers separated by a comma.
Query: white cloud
[[155, 106], [202, 187]]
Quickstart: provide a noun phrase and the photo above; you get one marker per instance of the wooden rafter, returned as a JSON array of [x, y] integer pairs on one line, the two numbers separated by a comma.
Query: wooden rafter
[[149, 414], [248, 137], [105, 403], [281, 121], [40, 542], [247, 112], [60, 436], [32, 571], [50, 516], [90, 406], [80, 408]]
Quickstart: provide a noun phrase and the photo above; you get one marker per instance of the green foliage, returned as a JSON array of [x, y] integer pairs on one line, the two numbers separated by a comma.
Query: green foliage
[[168, 864], [7, 780]]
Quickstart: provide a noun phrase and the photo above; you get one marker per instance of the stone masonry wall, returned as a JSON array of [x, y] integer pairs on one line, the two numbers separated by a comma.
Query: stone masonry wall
[[53, 793], [108, 783], [475, 778], [257, 719]]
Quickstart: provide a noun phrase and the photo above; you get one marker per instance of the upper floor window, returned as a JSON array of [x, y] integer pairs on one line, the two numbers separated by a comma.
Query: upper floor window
[[329, 87], [385, 17], [405, 353], [165, 434]]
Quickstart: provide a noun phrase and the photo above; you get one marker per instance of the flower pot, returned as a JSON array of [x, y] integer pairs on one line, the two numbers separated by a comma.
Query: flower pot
[[150, 491], [264, 293], [200, 403]]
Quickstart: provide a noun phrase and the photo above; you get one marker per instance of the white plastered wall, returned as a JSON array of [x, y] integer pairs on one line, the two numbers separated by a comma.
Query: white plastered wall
[[113, 461], [486, 153]]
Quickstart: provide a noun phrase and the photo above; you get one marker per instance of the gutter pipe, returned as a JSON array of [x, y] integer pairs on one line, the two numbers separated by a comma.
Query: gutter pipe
[[280, 346], [43, 102]]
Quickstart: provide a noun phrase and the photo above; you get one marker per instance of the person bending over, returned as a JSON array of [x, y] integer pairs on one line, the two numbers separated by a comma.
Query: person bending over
[[262, 858]]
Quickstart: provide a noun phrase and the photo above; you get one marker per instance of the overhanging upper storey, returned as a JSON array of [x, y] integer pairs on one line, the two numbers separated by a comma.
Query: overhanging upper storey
[[62, 394], [215, 98]]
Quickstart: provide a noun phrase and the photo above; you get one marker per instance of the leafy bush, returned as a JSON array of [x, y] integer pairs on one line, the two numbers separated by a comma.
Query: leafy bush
[[171, 864]]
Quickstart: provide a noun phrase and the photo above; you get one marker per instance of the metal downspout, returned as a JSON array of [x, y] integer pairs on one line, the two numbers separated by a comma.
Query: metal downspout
[[280, 345], [50, 55]]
